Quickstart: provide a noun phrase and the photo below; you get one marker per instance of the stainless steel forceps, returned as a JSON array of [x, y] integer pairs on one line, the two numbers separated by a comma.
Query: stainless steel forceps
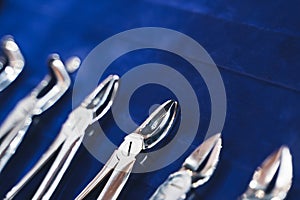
[[196, 170], [273, 179], [50, 90], [11, 63], [120, 164], [70, 138]]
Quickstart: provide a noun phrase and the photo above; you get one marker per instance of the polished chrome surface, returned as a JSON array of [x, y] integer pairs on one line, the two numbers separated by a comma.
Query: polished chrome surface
[[12, 63], [70, 138], [48, 92], [157, 125], [120, 164], [273, 179], [195, 171]]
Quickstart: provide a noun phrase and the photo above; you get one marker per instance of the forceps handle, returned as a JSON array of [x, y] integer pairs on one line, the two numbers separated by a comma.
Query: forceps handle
[[107, 168], [58, 169], [17, 115], [12, 141], [117, 180], [41, 162], [121, 170]]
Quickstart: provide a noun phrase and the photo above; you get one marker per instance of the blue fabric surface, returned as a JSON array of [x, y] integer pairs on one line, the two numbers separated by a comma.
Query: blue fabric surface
[[255, 44]]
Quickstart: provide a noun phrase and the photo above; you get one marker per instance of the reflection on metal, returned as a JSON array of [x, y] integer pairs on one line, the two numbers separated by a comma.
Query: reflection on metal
[[70, 137], [196, 170], [120, 164], [273, 179], [11, 63], [49, 91]]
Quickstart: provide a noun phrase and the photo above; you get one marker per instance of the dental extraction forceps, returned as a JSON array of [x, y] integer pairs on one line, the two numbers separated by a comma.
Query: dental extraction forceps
[[195, 171], [120, 164], [94, 107], [11, 63], [273, 179], [49, 91]]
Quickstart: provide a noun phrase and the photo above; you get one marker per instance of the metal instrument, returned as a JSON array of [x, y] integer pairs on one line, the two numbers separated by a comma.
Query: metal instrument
[[120, 164], [195, 171], [273, 179], [11, 63], [47, 93], [94, 107]]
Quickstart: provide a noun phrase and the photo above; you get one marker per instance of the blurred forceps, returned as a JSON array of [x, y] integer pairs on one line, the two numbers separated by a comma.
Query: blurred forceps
[[120, 164], [196, 170], [11, 63], [273, 179], [49, 91], [70, 137]]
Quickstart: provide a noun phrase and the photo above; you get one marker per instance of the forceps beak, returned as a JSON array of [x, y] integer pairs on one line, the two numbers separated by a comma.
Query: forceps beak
[[158, 124], [47, 93], [54, 85], [14, 62], [273, 178], [203, 161], [101, 99]]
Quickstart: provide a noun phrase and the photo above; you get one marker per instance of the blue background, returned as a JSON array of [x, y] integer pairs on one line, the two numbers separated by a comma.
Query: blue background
[[255, 45]]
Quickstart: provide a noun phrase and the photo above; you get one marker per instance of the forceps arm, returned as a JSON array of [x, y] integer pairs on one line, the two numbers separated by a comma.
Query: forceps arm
[[107, 168], [121, 170], [14, 128], [41, 162], [118, 179], [12, 141], [58, 168], [16, 116], [63, 81], [19, 119]]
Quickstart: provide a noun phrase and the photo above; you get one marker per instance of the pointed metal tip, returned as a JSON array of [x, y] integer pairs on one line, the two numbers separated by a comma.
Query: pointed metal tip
[[72, 64], [203, 161], [55, 62], [169, 103], [111, 83], [7, 38], [11, 62], [170, 107], [53, 56], [158, 124], [114, 77], [9, 44], [284, 148], [274, 177], [213, 138]]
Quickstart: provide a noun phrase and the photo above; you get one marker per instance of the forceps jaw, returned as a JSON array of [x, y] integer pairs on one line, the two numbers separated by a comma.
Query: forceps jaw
[[101, 99], [195, 171], [273, 179], [203, 161], [15, 62], [122, 160], [67, 144], [53, 86], [158, 124]]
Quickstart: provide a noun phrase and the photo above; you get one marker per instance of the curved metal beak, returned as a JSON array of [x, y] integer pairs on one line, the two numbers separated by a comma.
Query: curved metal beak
[[158, 124], [203, 161], [101, 99], [273, 178], [51, 89], [15, 62]]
